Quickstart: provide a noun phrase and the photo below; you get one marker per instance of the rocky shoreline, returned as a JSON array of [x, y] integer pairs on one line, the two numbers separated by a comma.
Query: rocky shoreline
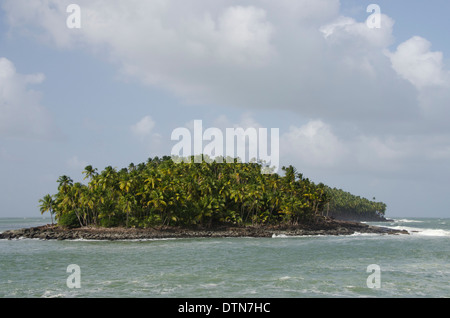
[[322, 227]]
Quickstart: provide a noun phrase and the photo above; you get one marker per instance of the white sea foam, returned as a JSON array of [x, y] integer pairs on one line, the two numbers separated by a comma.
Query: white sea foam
[[54, 294], [279, 236], [422, 232], [121, 240], [151, 239], [407, 221], [365, 234], [82, 240], [285, 278], [434, 232]]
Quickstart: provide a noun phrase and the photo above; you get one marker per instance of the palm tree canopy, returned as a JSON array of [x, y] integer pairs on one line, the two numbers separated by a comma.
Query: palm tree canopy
[[164, 192]]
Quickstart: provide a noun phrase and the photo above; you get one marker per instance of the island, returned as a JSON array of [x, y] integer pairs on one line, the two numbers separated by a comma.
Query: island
[[172, 198]]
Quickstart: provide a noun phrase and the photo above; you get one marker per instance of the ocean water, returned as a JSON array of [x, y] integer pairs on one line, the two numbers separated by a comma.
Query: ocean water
[[415, 265]]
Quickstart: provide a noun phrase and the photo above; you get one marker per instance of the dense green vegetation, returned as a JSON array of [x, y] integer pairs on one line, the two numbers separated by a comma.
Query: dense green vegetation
[[345, 205], [161, 192]]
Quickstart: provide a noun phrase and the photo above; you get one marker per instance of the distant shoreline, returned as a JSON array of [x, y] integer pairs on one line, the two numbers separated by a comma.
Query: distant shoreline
[[323, 227]]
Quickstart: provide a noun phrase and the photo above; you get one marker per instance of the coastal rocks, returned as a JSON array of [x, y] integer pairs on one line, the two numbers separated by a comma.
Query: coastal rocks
[[320, 227]]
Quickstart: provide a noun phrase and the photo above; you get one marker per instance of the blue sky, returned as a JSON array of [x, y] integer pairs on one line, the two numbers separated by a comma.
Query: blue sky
[[365, 110]]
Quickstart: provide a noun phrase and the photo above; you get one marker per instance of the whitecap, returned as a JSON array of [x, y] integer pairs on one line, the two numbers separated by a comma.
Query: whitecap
[[407, 221], [433, 232], [364, 234], [422, 232], [274, 235], [50, 294]]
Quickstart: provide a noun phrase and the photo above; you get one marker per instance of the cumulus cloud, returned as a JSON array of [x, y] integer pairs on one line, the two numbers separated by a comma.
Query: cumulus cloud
[[243, 35], [146, 136], [144, 127], [414, 61], [301, 56], [21, 114], [316, 146], [348, 31], [48, 19], [255, 55], [313, 144]]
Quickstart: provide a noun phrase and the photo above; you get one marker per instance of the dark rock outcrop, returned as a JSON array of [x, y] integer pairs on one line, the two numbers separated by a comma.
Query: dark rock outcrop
[[323, 226]]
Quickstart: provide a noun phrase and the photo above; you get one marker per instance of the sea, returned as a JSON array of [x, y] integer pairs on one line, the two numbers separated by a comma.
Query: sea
[[354, 266]]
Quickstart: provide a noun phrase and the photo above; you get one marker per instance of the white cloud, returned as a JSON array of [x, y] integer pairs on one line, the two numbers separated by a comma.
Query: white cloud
[[414, 61], [358, 47], [346, 30], [301, 56], [45, 15], [253, 55], [144, 127], [305, 12], [21, 114], [149, 141], [244, 35], [313, 145]]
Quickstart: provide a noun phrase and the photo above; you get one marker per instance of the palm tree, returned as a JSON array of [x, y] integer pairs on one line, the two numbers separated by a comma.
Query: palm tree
[[89, 172], [126, 203], [161, 192], [46, 204], [64, 183]]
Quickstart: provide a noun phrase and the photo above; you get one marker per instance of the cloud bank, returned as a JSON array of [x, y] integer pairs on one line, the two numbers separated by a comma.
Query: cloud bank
[[365, 99], [21, 114]]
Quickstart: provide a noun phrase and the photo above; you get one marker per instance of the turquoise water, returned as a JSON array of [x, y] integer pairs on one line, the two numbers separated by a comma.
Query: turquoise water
[[415, 265]]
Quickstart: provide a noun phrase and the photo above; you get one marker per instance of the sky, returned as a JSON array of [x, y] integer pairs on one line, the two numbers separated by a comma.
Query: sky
[[361, 101]]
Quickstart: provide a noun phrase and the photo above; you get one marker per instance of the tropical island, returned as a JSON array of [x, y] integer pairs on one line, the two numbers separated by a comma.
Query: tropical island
[[164, 198]]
